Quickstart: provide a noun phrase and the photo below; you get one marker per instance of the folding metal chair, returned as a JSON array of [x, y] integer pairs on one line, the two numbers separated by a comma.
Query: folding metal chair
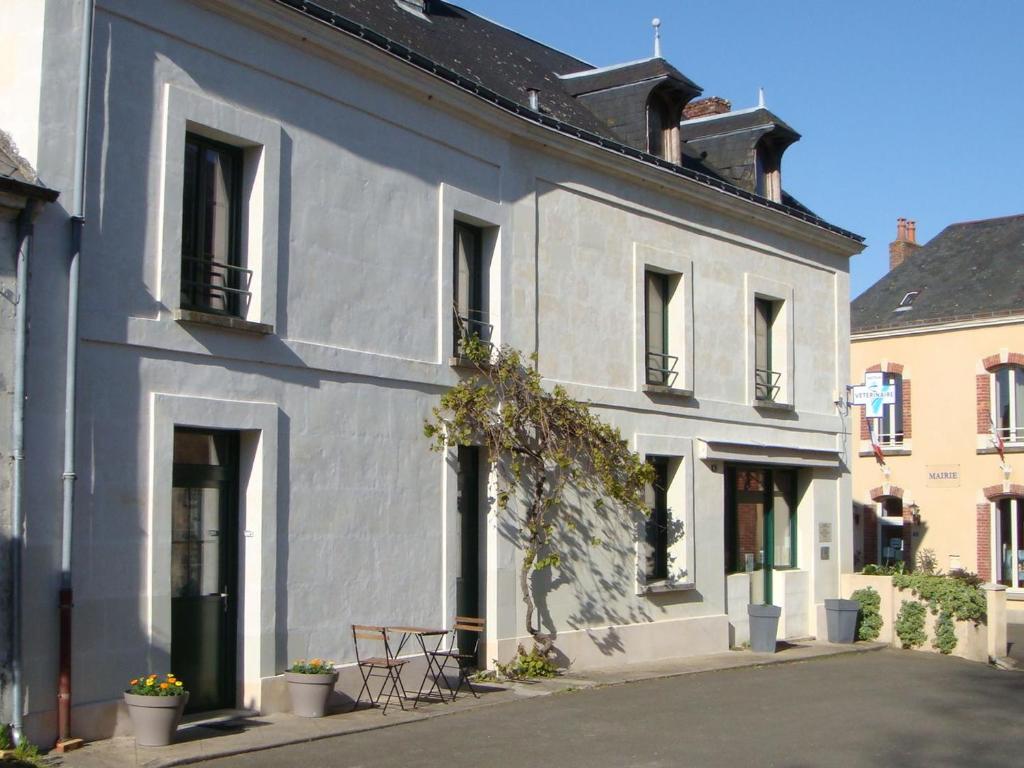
[[387, 667], [464, 659]]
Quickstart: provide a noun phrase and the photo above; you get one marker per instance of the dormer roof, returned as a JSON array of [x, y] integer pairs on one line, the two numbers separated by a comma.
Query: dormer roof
[[502, 66], [729, 141]]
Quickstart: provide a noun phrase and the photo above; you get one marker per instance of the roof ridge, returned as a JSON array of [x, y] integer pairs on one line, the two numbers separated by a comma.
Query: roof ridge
[[985, 221]]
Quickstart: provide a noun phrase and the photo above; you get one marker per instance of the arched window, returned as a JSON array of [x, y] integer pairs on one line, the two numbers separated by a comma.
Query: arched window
[[890, 430], [1009, 542], [1008, 402]]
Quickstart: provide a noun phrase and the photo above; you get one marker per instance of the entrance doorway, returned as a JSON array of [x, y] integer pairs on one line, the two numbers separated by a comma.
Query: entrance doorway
[[204, 566], [470, 581], [760, 525]]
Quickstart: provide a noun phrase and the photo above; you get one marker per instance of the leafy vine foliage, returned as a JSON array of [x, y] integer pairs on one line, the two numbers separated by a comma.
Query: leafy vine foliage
[[869, 619], [910, 624], [539, 442]]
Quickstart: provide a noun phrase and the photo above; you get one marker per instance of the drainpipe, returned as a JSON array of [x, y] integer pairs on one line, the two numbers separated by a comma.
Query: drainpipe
[[18, 453], [64, 740]]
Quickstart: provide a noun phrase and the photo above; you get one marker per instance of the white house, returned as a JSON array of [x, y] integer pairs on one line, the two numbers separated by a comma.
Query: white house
[[281, 201]]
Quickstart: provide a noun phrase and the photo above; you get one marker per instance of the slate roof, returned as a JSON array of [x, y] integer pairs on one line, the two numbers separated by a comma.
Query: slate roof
[[499, 65], [971, 270], [17, 176]]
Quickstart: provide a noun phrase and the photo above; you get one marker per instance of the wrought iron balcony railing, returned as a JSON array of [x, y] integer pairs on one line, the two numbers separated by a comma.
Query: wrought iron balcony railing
[[766, 384], [661, 369], [472, 324], [213, 286]]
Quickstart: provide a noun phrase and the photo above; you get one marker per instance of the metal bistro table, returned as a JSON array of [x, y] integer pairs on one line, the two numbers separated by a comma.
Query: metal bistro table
[[423, 636]]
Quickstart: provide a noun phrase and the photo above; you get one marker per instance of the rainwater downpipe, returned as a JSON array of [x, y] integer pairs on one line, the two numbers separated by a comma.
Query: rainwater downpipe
[[68, 476], [18, 454]]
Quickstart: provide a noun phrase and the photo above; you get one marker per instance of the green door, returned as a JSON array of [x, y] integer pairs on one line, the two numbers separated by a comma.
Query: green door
[[760, 525], [204, 566]]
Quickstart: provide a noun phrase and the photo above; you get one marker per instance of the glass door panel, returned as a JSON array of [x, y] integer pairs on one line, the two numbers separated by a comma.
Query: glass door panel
[[203, 567], [750, 532]]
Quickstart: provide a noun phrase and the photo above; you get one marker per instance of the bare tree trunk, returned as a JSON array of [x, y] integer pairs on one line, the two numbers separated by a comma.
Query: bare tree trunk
[[533, 526]]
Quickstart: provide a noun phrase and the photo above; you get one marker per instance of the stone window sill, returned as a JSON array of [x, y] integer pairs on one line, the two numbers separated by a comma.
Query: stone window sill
[[661, 389], [771, 405], [1007, 448], [887, 451], [227, 322], [662, 587]]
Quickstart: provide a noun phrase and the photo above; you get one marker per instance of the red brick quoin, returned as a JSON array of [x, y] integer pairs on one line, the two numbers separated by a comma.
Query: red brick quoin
[[985, 542]]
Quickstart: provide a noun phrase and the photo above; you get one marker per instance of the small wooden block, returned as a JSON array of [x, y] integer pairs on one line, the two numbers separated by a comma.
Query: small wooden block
[[69, 745]]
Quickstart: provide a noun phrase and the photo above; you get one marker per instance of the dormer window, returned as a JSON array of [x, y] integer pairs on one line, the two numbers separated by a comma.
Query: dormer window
[[907, 301], [662, 128], [767, 178]]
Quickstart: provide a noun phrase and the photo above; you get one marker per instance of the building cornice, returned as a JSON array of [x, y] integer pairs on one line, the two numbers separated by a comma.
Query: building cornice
[[1016, 317], [313, 25]]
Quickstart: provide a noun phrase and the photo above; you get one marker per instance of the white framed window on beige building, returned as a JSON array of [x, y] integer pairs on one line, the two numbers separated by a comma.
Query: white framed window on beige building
[[1007, 407], [770, 342], [664, 321], [219, 213]]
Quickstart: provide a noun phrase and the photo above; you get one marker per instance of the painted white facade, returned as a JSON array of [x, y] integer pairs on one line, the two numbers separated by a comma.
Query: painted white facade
[[356, 166]]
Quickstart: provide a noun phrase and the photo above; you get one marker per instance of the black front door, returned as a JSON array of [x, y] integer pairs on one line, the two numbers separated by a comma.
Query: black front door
[[468, 585], [204, 566]]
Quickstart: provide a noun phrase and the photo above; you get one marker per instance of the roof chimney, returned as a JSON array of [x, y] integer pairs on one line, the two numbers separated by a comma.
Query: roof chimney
[[713, 105], [904, 244]]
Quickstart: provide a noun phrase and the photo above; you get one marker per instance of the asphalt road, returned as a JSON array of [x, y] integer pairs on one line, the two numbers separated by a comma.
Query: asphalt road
[[887, 708]]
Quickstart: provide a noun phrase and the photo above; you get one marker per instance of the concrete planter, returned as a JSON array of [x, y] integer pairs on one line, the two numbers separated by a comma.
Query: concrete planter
[[764, 627], [309, 693], [155, 718], [841, 618]]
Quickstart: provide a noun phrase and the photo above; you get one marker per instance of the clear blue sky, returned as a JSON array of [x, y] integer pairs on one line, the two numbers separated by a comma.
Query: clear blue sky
[[906, 108]]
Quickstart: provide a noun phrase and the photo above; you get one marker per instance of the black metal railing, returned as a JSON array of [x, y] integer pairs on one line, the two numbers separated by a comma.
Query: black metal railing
[[213, 286], [661, 369], [766, 384], [472, 324]]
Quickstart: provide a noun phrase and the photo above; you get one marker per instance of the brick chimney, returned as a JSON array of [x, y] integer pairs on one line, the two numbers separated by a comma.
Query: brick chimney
[[713, 105], [904, 244]]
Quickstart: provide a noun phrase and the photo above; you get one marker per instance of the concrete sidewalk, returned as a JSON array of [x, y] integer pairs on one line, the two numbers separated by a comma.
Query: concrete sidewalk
[[204, 740]]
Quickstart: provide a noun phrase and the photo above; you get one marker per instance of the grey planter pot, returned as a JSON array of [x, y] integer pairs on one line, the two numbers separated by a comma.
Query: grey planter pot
[[841, 619], [764, 627], [155, 718], [309, 693]]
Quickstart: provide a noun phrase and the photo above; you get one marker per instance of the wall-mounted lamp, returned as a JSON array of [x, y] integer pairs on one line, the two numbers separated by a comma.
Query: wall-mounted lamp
[[915, 514]]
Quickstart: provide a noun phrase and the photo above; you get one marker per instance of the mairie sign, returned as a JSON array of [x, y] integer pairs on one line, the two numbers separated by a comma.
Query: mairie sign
[[873, 396]]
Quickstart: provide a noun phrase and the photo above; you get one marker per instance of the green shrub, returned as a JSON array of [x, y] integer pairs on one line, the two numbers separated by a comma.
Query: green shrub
[[971, 579], [910, 624], [869, 617], [945, 634], [527, 665], [955, 596], [883, 570]]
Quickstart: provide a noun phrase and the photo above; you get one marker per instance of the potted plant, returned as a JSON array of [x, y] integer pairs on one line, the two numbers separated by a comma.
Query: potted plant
[[155, 703], [309, 685]]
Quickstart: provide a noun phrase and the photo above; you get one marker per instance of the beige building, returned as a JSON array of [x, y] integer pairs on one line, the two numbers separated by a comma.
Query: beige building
[[945, 328]]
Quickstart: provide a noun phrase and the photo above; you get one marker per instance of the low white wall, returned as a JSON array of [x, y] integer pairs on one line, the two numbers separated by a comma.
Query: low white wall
[[737, 595], [792, 591], [598, 647], [974, 642]]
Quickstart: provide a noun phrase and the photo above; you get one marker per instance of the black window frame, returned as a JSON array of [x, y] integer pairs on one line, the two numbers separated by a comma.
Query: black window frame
[[656, 526], [659, 365], [195, 294], [475, 319], [766, 378]]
